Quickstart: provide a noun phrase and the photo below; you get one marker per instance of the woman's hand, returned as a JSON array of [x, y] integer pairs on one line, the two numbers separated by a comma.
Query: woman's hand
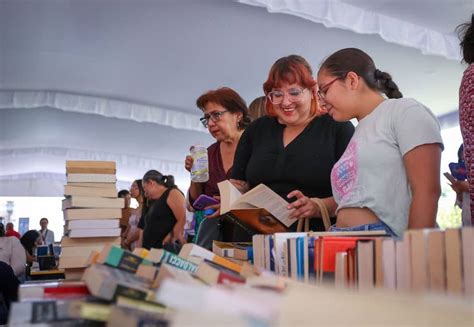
[[215, 207], [460, 186], [175, 236], [304, 207], [188, 163], [242, 186]]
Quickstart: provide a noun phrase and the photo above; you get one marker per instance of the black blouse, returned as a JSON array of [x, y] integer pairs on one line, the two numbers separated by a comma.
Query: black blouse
[[305, 164]]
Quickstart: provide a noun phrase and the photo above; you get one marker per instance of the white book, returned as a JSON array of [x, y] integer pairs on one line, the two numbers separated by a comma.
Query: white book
[[261, 196], [340, 272], [91, 178], [93, 224], [388, 264], [403, 264], [96, 213], [92, 202], [278, 247], [80, 251], [103, 232], [110, 192]]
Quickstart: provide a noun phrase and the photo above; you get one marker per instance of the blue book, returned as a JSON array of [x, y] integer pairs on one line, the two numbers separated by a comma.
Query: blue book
[[272, 256], [300, 257]]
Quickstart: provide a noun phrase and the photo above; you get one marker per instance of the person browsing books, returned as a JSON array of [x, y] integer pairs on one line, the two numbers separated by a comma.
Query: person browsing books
[[294, 147], [47, 235], [30, 240], [164, 221], [131, 234], [225, 117], [389, 176]]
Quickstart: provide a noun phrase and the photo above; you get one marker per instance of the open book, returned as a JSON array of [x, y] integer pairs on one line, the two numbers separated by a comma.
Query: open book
[[261, 196]]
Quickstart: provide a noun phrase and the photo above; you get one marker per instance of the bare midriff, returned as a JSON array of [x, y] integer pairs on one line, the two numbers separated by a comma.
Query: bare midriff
[[350, 217]]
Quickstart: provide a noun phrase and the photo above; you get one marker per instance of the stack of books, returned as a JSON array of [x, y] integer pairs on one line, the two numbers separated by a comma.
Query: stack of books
[[92, 213]]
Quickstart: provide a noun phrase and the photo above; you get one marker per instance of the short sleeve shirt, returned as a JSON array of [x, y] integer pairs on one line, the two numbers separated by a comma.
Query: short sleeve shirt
[[371, 172]]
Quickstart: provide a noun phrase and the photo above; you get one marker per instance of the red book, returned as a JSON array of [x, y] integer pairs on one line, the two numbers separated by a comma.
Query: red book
[[329, 246]]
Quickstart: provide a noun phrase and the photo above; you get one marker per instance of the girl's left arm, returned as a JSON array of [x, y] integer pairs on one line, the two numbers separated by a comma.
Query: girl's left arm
[[422, 165]]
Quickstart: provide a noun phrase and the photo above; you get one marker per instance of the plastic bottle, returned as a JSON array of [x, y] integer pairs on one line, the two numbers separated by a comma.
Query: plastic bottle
[[200, 168]]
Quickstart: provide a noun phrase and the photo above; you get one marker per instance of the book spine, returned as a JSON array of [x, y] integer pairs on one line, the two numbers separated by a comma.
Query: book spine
[[300, 257]]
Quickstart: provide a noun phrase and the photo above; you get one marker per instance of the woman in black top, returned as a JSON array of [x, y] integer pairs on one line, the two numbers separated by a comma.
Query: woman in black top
[[166, 215], [293, 149]]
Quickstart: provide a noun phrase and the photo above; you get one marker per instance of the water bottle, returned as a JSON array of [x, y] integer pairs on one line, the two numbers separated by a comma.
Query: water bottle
[[200, 168]]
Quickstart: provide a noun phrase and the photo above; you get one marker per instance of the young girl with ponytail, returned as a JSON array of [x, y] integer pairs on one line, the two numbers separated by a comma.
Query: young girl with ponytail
[[389, 176]]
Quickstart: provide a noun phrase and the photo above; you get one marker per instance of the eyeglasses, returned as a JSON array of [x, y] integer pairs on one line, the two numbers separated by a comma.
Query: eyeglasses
[[214, 116], [321, 93], [294, 95]]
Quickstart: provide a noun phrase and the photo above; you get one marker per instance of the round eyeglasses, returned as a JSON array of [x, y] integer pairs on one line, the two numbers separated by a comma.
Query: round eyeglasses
[[277, 96], [214, 116]]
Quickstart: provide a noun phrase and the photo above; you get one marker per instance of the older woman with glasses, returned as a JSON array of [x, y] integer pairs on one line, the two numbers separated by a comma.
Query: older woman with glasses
[[225, 116], [293, 149]]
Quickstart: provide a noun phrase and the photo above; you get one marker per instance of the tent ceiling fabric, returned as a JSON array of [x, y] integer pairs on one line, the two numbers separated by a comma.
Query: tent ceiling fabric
[[372, 17], [117, 80]]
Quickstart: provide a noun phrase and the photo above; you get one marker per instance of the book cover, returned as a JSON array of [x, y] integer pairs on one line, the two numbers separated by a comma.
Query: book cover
[[67, 241], [96, 213], [92, 202], [190, 249], [241, 251], [108, 283], [213, 274], [70, 190], [453, 248], [365, 256], [91, 178], [92, 224], [86, 233], [260, 197], [90, 164], [436, 261]]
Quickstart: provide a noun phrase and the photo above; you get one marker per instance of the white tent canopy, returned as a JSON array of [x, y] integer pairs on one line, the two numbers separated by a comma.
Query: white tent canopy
[[117, 80]]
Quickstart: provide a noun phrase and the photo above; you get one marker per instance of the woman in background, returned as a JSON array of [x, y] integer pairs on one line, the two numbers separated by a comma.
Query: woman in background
[[30, 240], [164, 221], [389, 176], [131, 234]]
